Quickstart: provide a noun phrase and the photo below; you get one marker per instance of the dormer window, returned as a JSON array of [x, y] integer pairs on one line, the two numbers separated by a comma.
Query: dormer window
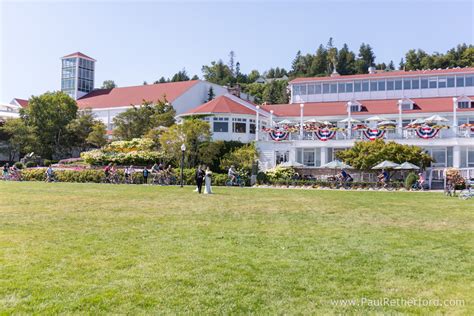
[[355, 107], [406, 104], [464, 105]]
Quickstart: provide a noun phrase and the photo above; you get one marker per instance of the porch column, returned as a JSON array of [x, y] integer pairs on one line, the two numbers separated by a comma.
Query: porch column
[[301, 120], [400, 122], [324, 155], [455, 119], [257, 123], [349, 123], [271, 118], [457, 156]]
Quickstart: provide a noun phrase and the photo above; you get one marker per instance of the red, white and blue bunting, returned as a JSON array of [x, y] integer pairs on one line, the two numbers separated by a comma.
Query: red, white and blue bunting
[[278, 134], [427, 132], [374, 133], [324, 134]]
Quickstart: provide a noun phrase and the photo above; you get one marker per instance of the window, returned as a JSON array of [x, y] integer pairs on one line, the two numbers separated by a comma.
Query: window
[[407, 84], [252, 126], [464, 104], [373, 85], [469, 81], [296, 89], [415, 83], [342, 88], [355, 108], [424, 83], [239, 125], [349, 87], [317, 89], [308, 158], [357, 86], [281, 156], [311, 89], [381, 85], [325, 87], [442, 82], [407, 106], [459, 81], [450, 82], [220, 124], [334, 88], [390, 85], [433, 82], [398, 85], [303, 89], [365, 86]]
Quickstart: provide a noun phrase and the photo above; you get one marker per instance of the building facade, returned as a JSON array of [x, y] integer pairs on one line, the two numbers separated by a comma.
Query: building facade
[[433, 109], [77, 74]]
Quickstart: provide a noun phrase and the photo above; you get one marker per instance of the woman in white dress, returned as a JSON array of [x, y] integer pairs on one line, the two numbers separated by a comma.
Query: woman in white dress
[[207, 180]]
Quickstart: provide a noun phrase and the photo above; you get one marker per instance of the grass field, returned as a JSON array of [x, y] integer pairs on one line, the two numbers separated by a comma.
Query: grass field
[[75, 248]]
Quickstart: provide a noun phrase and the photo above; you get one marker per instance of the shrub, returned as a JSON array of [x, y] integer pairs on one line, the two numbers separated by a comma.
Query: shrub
[[410, 180], [280, 173], [19, 165], [31, 164], [47, 162]]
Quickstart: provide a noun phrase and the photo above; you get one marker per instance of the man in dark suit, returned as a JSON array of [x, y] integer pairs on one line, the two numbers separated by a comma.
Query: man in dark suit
[[199, 178]]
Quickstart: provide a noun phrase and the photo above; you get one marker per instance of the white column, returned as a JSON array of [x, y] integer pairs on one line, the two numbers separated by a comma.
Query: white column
[[456, 156], [324, 155], [455, 118], [301, 120], [400, 122], [271, 118], [257, 123], [349, 123]]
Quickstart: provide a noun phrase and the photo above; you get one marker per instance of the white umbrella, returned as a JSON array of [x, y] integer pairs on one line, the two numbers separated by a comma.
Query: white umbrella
[[335, 164], [407, 166], [312, 121], [376, 118], [436, 118], [291, 164], [385, 123], [285, 122], [418, 121], [347, 120], [386, 165]]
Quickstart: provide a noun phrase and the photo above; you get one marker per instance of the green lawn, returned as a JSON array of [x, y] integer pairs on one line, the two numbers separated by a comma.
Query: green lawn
[[75, 248]]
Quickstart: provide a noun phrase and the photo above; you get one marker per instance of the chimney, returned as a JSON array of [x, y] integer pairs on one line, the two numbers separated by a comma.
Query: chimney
[[371, 70], [234, 90]]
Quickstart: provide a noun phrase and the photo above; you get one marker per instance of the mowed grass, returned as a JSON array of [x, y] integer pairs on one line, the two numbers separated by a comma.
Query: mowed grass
[[92, 248]]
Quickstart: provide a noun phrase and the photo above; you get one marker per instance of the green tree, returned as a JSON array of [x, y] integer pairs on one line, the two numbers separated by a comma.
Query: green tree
[[108, 84], [97, 137], [18, 137], [210, 94], [137, 121], [275, 92], [253, 75], [366, 154], [366, 59], [195, 77], [49, 114], [193, 133], [345, 61], [242, 158], [319, 64], [80, 128], [218, 73], [180, 76]]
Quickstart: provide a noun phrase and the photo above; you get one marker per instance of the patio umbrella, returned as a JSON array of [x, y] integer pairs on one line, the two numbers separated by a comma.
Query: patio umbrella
[[386, 165], [347, 120], [386, 123], [312, 121], [336, 164], [418, 121], [376, 118], [436, 118], [407, 166], [285, 122], [292, 164]]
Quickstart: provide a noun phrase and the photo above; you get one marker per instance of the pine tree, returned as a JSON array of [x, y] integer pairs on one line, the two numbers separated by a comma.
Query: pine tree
[[210, 94], [401, 65], [366, 59], [319, 62], [345, 61], [145, 83], [391, 65]]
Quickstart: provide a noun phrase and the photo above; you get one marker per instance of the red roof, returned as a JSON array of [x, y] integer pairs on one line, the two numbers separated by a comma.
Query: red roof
[[22, 102], [126, 96], [386, 74], [79, 54], [223, 104], [371, 107]]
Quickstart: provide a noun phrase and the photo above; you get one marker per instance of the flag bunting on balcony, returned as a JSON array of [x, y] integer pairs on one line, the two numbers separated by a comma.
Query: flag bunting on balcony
[[427, 132], [325, 134], [374, 133], [277, 134]]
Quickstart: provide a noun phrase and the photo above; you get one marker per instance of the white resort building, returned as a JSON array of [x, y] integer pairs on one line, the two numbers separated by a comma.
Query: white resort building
[[433, 109]]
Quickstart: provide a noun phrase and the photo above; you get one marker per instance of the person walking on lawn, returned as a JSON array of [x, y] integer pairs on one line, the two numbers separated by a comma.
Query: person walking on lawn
[[199, 178]]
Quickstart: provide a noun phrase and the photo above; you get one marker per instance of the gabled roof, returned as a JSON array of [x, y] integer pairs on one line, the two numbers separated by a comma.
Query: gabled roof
[[126, 96], [21, 102], [227, 104], [386, 74], [369, 107], [78, 54]]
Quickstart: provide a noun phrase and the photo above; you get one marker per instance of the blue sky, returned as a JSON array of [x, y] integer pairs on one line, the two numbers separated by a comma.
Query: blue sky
[[137, 41]]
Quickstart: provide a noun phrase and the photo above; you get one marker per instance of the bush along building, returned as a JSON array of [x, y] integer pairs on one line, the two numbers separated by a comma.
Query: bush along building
[[433, 109]]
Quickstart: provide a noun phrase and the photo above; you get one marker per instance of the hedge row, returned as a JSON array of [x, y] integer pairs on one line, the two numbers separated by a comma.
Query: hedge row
[[98, 176], [325, 184]]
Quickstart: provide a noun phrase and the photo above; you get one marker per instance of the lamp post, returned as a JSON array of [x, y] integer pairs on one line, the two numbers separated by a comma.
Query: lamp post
[[301, 120], [183, 149], [349, 122]]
